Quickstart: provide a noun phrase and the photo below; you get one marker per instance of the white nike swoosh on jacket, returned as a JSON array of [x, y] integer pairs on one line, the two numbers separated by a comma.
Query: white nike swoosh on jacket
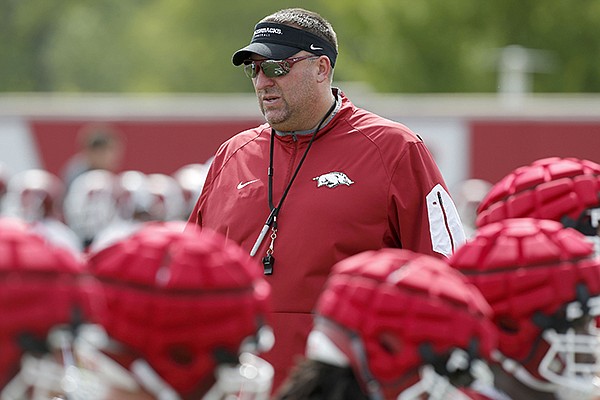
[[242, 185]]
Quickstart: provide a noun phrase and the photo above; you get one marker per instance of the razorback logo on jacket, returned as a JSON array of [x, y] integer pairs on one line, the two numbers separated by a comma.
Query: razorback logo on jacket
[[333, 179]]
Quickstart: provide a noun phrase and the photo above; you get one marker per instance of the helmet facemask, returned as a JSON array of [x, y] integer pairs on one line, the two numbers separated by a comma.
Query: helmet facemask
[[438, 378], [568, 351], [55, 371], [572, 360], [444, 387], [247, 377], [251, 379]]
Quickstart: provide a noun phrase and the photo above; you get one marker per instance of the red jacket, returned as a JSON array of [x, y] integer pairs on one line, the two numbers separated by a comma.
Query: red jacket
[[367, 183]]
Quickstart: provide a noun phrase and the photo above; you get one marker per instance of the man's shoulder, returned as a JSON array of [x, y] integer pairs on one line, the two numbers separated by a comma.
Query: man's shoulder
[[377, 126], [253, 132], [248, 135], [381, 129], [239, 141]]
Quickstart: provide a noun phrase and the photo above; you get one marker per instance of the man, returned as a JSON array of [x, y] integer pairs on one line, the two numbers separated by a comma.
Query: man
[[102, 146], [543, 284], [393, 324], [91, 204], [321, 180], [36, 197]]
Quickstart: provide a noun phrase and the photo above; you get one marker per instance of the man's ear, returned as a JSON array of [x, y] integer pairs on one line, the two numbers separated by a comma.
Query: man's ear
[[324, 68]]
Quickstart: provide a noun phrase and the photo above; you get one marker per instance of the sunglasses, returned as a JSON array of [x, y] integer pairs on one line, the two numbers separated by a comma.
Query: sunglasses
[[272, 68]]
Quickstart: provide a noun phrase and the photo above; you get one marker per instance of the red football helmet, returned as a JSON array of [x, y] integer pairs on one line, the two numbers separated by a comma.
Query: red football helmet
[[185, 303], [42, 288], [404, 322], [543, 284], [561, 189]]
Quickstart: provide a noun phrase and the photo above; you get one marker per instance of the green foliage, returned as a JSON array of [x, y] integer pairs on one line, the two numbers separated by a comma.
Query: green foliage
[[391, 45]]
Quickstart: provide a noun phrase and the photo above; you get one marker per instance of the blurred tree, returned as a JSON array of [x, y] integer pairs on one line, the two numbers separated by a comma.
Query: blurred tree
[[93, 47], [391, 45], [26, 29]]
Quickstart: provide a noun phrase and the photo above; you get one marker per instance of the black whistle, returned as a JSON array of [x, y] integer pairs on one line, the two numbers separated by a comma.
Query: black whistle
[[268, 262]]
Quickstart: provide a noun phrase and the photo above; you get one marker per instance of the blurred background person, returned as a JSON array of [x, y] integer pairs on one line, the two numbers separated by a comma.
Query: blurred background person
[[467, 196], [101, 147], [543, 283], [34, 194], [393, 324], [36, 197], [566, 190], [91, 204], [133, 208], [45, 298], [4, 178], [185, 316], [168, 203], [191, 178]]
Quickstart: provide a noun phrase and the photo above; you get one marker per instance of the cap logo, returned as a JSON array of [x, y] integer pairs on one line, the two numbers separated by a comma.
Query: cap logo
[[266, 32], [291, 37]]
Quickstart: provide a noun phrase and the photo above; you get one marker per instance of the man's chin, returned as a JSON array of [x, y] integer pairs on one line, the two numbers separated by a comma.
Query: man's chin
[[275, 120]]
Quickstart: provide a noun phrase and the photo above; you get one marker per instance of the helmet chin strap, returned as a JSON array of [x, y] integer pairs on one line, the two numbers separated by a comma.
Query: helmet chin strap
[[89, 345], [437, 387], [520, 373], [251, 379], [152, 382], [39, 373], [46, 377]]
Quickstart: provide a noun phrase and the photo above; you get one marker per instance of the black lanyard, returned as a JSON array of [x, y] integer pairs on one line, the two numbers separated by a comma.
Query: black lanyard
[[271, 221]]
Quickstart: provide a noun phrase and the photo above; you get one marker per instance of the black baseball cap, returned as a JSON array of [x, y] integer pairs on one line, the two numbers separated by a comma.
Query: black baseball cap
[[277, 42]]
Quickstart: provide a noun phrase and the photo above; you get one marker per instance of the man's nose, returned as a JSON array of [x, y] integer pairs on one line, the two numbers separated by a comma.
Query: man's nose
[[261, 80]]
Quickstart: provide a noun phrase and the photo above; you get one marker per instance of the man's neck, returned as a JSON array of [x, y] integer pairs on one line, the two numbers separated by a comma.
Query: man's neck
[[327, 116]]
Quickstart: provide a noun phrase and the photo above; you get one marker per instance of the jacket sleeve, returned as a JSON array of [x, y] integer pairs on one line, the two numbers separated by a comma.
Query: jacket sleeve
[[195, 217], [421, 211]]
